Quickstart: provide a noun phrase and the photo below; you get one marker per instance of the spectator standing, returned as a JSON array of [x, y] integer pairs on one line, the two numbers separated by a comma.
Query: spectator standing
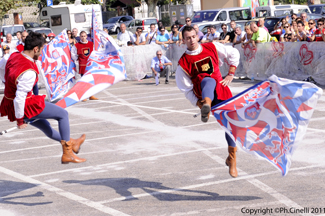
[[199, 33], [188, 22], [75, 34], [294, 27], [12, 45], [280, 25], [163, 38], [152, 34], [72, 40], [259, 34], [261, 22], [248, 35], [20, 47], [232, 33], [139, 38], [287, 30], [302, 35], [304, 19], [312, 29], [160, 24], [288, 37], [174, 35], [214, 36], [240, 35], [18, 35], [320, 32], [124, 36], [51, 36], [161, 65], [224, 35], [3, 62], [81, 52], [207, 35], [294, 16]]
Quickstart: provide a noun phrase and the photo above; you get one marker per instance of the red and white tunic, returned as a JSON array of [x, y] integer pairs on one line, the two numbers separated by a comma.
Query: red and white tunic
[[202, 62], [21, 76], [81, 52]]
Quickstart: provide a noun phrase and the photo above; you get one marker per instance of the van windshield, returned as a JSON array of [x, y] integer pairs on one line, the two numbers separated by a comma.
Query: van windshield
[[204, 16], [283, 12], [244, 14], [12, 30], [113, 20]]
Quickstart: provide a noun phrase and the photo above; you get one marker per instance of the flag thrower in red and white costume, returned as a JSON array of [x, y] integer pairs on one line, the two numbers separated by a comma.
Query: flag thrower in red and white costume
[[21, 105], [199, 77]]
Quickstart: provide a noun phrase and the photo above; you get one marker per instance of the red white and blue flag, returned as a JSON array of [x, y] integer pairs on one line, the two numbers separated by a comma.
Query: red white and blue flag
[[270, 118], [95, 32], [104, 68], [57, 66]]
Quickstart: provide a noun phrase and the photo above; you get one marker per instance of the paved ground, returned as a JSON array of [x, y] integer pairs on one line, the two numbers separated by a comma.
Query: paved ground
[[148, 156]]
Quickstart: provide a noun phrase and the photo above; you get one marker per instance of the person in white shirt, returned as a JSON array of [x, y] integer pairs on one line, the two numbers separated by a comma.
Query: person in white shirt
[[124, 36], [152, 34], [206, 36], [3, 62], [239, 35], [214, 36], [138, 38], [198, 77], [10, 43]]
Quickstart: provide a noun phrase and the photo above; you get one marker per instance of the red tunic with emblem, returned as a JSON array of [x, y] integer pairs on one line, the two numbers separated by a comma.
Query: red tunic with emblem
[[83, 51], [205, 64], [20, 48], [16, 65]]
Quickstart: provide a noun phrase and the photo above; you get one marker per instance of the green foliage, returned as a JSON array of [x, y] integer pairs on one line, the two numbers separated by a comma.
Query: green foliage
[[166, 20], [6, 5]]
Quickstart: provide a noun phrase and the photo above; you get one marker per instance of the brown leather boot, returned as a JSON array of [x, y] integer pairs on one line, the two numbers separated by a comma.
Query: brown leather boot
[[231, 161], [205, 110], [93, 98], [84, 100], [68, 155], [76, 143]]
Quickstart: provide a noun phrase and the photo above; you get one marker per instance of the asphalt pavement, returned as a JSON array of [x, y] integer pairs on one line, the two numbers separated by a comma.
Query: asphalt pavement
[[147, 156]]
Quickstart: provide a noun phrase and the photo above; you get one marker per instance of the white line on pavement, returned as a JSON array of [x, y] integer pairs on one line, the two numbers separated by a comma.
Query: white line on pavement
[[96, 205]]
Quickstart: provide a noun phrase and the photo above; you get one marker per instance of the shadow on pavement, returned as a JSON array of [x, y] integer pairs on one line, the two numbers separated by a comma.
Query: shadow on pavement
[[122, 186], [12, 187]]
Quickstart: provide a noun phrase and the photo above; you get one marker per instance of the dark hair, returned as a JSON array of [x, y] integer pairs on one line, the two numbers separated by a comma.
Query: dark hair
[[139, 28], [188, 18], [223, 24], [187, 29], [82, 33], [320, 20], [294, 14], [33, 40], [161, 27], [213, 26], [301, 22], [172, 27], [152, 24], [18, 32]]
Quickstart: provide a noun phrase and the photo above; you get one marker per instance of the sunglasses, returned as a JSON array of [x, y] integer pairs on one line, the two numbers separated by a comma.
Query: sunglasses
[[159, 54], [311, 23], [162, 30], [224, 28], [320, 24], [188, 20], [286, 26], [69, 33]]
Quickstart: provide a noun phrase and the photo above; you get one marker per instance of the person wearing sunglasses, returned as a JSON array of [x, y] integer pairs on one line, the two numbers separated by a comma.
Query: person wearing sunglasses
[[304, 19], [188, 22], [320, 32], [72, 40], [163, 38], [224, 35], [312, 29], [287, 29], [294, 16], [139, 38], [161, 66]]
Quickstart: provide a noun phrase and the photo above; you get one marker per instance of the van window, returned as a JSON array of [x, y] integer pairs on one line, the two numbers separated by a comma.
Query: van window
[[12, 30], [138, 23], [131, 24], [44, 13], [80, 17], [316, 9], [149, 21], [304, 10], [262, 13], [56, 20], [283, 12], [240, 15], [222, 16], [202, 16]]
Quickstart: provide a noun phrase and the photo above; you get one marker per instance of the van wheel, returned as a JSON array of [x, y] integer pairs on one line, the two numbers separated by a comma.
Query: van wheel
[[118, 30]]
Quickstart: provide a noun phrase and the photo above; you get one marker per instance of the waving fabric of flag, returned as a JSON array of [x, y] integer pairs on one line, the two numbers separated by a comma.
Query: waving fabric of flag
[[270, 118], [57, 66], [104, 68], [95, 32]]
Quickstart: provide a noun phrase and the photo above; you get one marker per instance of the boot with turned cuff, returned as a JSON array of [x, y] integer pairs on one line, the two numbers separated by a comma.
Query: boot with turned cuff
[[68, 156], [76, 143], [205, 110], [231, 161]]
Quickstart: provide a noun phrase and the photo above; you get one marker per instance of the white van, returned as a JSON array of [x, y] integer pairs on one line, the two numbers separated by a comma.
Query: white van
[[71, 16], [281, 10]]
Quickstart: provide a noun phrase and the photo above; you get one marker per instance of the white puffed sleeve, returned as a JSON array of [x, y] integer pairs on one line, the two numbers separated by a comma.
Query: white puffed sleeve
[[228, 52], [184, 83]]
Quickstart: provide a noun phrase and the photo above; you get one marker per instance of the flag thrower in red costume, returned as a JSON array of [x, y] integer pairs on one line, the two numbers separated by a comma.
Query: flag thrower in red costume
[[21, 105], [199, 77]]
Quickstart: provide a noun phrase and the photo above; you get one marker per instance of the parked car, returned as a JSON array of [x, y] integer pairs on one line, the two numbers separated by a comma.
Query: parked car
[[318, 9], [144, 23], [281, 10], [45, 24], [30, 25], [12, 29], [113, 24], [241, 24], [40, 30], [222, 15]]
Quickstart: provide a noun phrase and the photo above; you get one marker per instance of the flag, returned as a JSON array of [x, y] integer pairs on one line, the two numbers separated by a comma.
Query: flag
[[104, 68], [58, 68], [270, 118], [95, 32]]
